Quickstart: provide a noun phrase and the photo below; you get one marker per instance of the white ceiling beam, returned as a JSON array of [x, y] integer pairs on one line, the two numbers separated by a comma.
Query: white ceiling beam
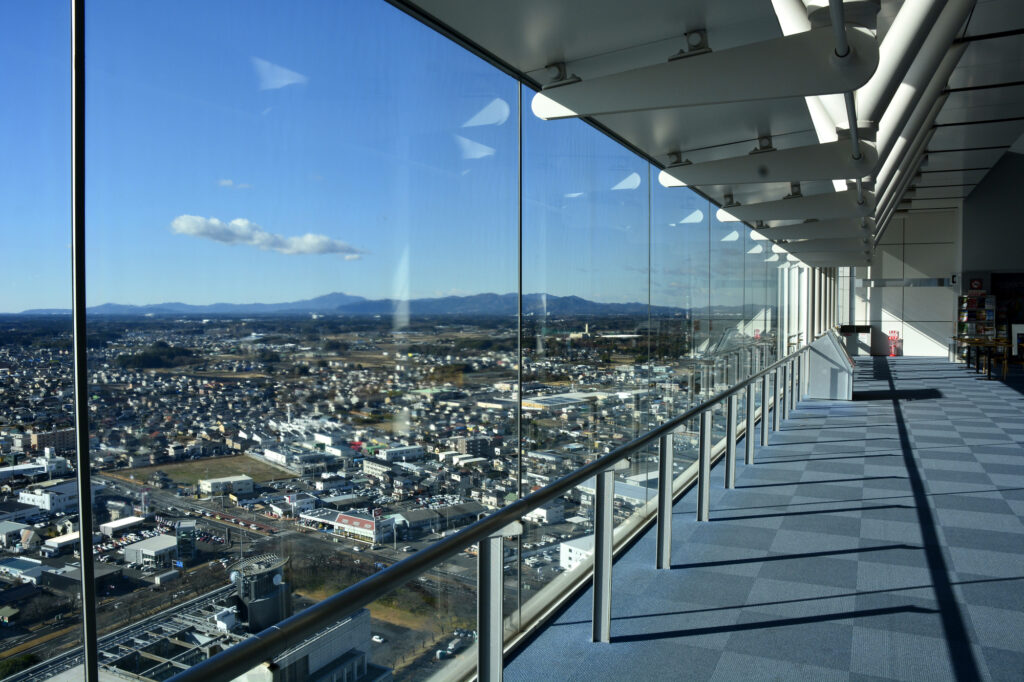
[[826, 245], [821, 229], [903, 150], [921, 72], [902, 41], [791, 66], [906, 171], [820, 206], [829, 161], [927, 108], [885, 216]]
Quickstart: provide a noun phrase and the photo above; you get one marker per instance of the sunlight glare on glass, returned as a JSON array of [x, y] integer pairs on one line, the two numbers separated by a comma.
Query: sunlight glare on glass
[[631, 181], [666, 179], [724, 216], [545, 108]]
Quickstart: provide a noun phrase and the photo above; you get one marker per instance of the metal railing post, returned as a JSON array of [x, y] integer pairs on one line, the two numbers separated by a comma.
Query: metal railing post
[[748, 439], [776, 417], [791, 403], [730, 441], [704, 467], [490, 583], [764, 410], [787, 388], [664, 558], [603, 556]]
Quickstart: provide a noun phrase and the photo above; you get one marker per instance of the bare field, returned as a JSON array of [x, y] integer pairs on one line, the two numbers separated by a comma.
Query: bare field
[[216, 467]]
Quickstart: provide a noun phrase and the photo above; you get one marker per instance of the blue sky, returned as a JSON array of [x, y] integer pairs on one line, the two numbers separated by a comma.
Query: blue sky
[[268, 151]]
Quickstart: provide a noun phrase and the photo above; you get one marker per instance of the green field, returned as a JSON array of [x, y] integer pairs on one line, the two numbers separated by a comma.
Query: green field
[[215, 467]]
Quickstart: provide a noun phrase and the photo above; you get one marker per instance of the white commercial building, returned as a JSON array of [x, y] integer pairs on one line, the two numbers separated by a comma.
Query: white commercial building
[[43, 465], [363, 527], [112, 528], [228, 484], [157, 551], [574, 552], [403, 453], [55, 498]]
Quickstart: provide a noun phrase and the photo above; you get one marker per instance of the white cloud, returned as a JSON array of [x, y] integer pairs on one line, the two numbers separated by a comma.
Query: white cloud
[[242, 231], [494, 114], [228, 182], [272, 76], [225, 182]]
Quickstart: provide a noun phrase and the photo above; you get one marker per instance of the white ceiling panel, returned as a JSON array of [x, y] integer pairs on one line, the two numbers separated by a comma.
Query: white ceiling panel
[[981, 158], [947, 192], [980, 133], [971, 177], [981, 116], [992, 16]]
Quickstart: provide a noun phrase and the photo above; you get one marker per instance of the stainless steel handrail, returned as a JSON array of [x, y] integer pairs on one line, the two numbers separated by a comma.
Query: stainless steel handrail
[[242, 657]]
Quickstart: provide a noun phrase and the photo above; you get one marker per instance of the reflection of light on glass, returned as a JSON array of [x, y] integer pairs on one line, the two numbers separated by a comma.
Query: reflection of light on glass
[[777, 249], [695, 216], [757, 236], [724, 216], [403, 422], [494, 114], [666, 180], [756, 248], [545, 108], [400, 292], [772, 258], [472, 150], [631, 181], [732, 236], [573, 195], [791, 258]]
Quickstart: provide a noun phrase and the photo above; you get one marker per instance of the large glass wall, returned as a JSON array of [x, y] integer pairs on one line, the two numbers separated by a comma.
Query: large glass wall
[[346, 295], [585, 327], [41, 608]]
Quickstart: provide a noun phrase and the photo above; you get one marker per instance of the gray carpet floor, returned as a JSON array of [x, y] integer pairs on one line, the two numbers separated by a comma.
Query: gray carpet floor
[[879, 539]]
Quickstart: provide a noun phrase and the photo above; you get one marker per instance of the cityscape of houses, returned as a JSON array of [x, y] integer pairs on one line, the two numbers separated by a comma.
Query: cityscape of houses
[[208, 434]]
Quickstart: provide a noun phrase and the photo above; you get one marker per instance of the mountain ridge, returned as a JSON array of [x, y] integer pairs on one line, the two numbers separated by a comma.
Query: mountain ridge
[[347, 304]]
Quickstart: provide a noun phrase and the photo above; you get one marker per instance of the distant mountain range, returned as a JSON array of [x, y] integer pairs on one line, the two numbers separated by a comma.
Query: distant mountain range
[[344, 304]]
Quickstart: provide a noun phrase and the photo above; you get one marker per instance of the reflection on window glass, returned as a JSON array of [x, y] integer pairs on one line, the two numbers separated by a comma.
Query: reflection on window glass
[[312, 228], [303, 287], [41, 604], [586, 329]]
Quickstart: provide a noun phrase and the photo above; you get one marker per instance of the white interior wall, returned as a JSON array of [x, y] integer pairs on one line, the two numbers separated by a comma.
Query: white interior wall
[[915, 246]]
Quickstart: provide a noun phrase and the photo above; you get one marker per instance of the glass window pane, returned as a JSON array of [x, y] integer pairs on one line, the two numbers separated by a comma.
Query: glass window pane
[[303, 273], [37, 444]]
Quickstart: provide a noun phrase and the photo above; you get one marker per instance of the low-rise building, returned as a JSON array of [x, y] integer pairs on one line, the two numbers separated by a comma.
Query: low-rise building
[[365, 527], [158, 551], [572, 553], [227, 484]]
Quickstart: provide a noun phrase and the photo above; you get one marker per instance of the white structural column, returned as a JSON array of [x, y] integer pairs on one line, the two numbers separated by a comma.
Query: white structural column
[[923, 116], [902, 41], [920, 73]]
